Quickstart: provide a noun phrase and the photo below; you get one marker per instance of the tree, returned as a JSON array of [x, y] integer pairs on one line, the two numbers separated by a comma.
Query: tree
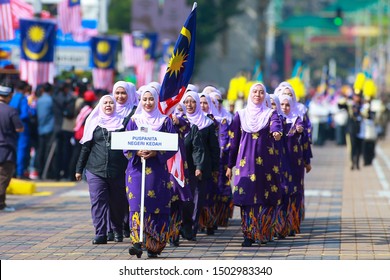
[[212, 19], [119, 16]]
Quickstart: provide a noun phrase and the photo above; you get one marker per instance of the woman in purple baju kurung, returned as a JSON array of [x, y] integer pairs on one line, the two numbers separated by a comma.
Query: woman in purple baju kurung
[[182, 206], [253, 153], [306, 140], [293, 128], [158, 189]]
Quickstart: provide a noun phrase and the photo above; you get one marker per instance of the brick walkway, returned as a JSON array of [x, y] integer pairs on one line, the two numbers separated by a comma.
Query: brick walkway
[[347, 218]]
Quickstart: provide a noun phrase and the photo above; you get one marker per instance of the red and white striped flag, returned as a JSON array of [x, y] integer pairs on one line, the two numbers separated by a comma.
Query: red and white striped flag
[[6, 28], [36, 72], [20, 9], [69, 16], [144, 72], [176, 168], [132, 55], [103, 78]]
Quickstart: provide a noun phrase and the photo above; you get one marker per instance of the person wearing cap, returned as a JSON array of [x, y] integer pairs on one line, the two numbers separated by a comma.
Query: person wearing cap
[[10, 126]]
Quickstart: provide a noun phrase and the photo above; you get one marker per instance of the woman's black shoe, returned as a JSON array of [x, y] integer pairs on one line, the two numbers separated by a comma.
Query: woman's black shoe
[[100, 240], [186, 232], [136, 250], [110, 236], [210, 231], [152, 255], [247, 242], [118, 237]]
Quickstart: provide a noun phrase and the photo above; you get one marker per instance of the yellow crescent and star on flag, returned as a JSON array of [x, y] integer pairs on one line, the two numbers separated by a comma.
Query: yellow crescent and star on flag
[[177, 60], [36, 35], [102, 49]]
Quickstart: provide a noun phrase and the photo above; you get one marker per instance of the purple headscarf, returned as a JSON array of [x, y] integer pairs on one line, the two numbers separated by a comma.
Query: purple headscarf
[[155, 119], [98, 118], [198, 118], [254, 117]]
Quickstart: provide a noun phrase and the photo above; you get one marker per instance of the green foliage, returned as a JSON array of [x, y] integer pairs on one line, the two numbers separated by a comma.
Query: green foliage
[[119, 16], [212, 20]]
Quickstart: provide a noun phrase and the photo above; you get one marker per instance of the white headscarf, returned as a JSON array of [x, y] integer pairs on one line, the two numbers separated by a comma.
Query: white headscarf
[[155, 118], [198, 118], [254, 117]]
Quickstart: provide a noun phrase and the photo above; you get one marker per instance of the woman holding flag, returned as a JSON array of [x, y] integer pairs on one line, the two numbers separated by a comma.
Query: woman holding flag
[[158, 189]]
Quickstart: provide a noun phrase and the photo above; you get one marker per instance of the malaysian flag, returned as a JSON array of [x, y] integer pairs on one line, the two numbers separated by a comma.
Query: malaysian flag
[[167, 51], [6, 28], [176, 168], [103, 56], [20, 9], [37, 41], [69, 16], [132, 55], [180, 66]]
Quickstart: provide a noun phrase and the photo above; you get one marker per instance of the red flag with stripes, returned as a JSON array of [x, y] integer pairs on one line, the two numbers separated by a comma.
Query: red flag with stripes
[[20, 9], [69, 16], [6, 28], [132, 55], [176, 168]]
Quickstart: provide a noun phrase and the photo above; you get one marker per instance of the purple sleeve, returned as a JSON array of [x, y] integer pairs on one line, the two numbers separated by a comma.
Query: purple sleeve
[[224, 135], [234, 140], [276, 124]]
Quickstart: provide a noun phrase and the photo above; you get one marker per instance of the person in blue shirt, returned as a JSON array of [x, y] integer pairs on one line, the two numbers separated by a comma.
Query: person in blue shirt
[[19, 102]]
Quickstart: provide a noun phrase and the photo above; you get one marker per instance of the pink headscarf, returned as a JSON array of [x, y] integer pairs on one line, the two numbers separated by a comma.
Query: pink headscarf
[[155, 119], [124, 110], [212, 108], [254, 117], [222, 113], [198, 118], [301, 109], [294, 114], [98, 118]]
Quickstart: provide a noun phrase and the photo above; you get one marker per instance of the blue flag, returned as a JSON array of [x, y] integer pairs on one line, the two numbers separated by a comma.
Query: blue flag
[[180, 66], [103, 52], [147, 41], [72, 3], [37, 40]]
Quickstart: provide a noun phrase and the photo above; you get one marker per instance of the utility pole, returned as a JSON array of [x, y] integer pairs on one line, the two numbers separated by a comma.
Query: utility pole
[[103, 24], [37, 5]]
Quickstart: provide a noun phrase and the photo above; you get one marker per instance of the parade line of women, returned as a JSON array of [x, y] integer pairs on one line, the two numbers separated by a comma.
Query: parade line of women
[[255, 160]]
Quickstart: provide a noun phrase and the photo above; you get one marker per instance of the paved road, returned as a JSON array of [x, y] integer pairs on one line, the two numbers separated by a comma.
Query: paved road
[[347, 218]]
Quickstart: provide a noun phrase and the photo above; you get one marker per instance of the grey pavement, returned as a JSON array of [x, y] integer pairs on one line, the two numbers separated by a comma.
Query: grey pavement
[[347, 218]]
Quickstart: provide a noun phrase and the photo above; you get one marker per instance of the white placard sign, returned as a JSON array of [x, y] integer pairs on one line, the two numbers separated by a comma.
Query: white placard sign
[[144, 139]]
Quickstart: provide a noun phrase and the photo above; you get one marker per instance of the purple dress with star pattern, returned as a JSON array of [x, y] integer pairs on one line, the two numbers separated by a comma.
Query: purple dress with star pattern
[[158, 194], [256, 183]]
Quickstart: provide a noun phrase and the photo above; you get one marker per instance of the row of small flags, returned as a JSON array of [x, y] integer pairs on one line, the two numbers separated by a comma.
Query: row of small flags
[[37, 43]]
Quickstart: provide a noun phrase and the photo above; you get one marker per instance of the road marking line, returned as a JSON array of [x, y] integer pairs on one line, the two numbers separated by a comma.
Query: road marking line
[[55, 184], [381, 175], [382, 154]]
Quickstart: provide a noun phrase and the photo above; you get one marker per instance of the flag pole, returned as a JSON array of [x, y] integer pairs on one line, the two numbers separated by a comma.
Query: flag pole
[[142, 206]]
